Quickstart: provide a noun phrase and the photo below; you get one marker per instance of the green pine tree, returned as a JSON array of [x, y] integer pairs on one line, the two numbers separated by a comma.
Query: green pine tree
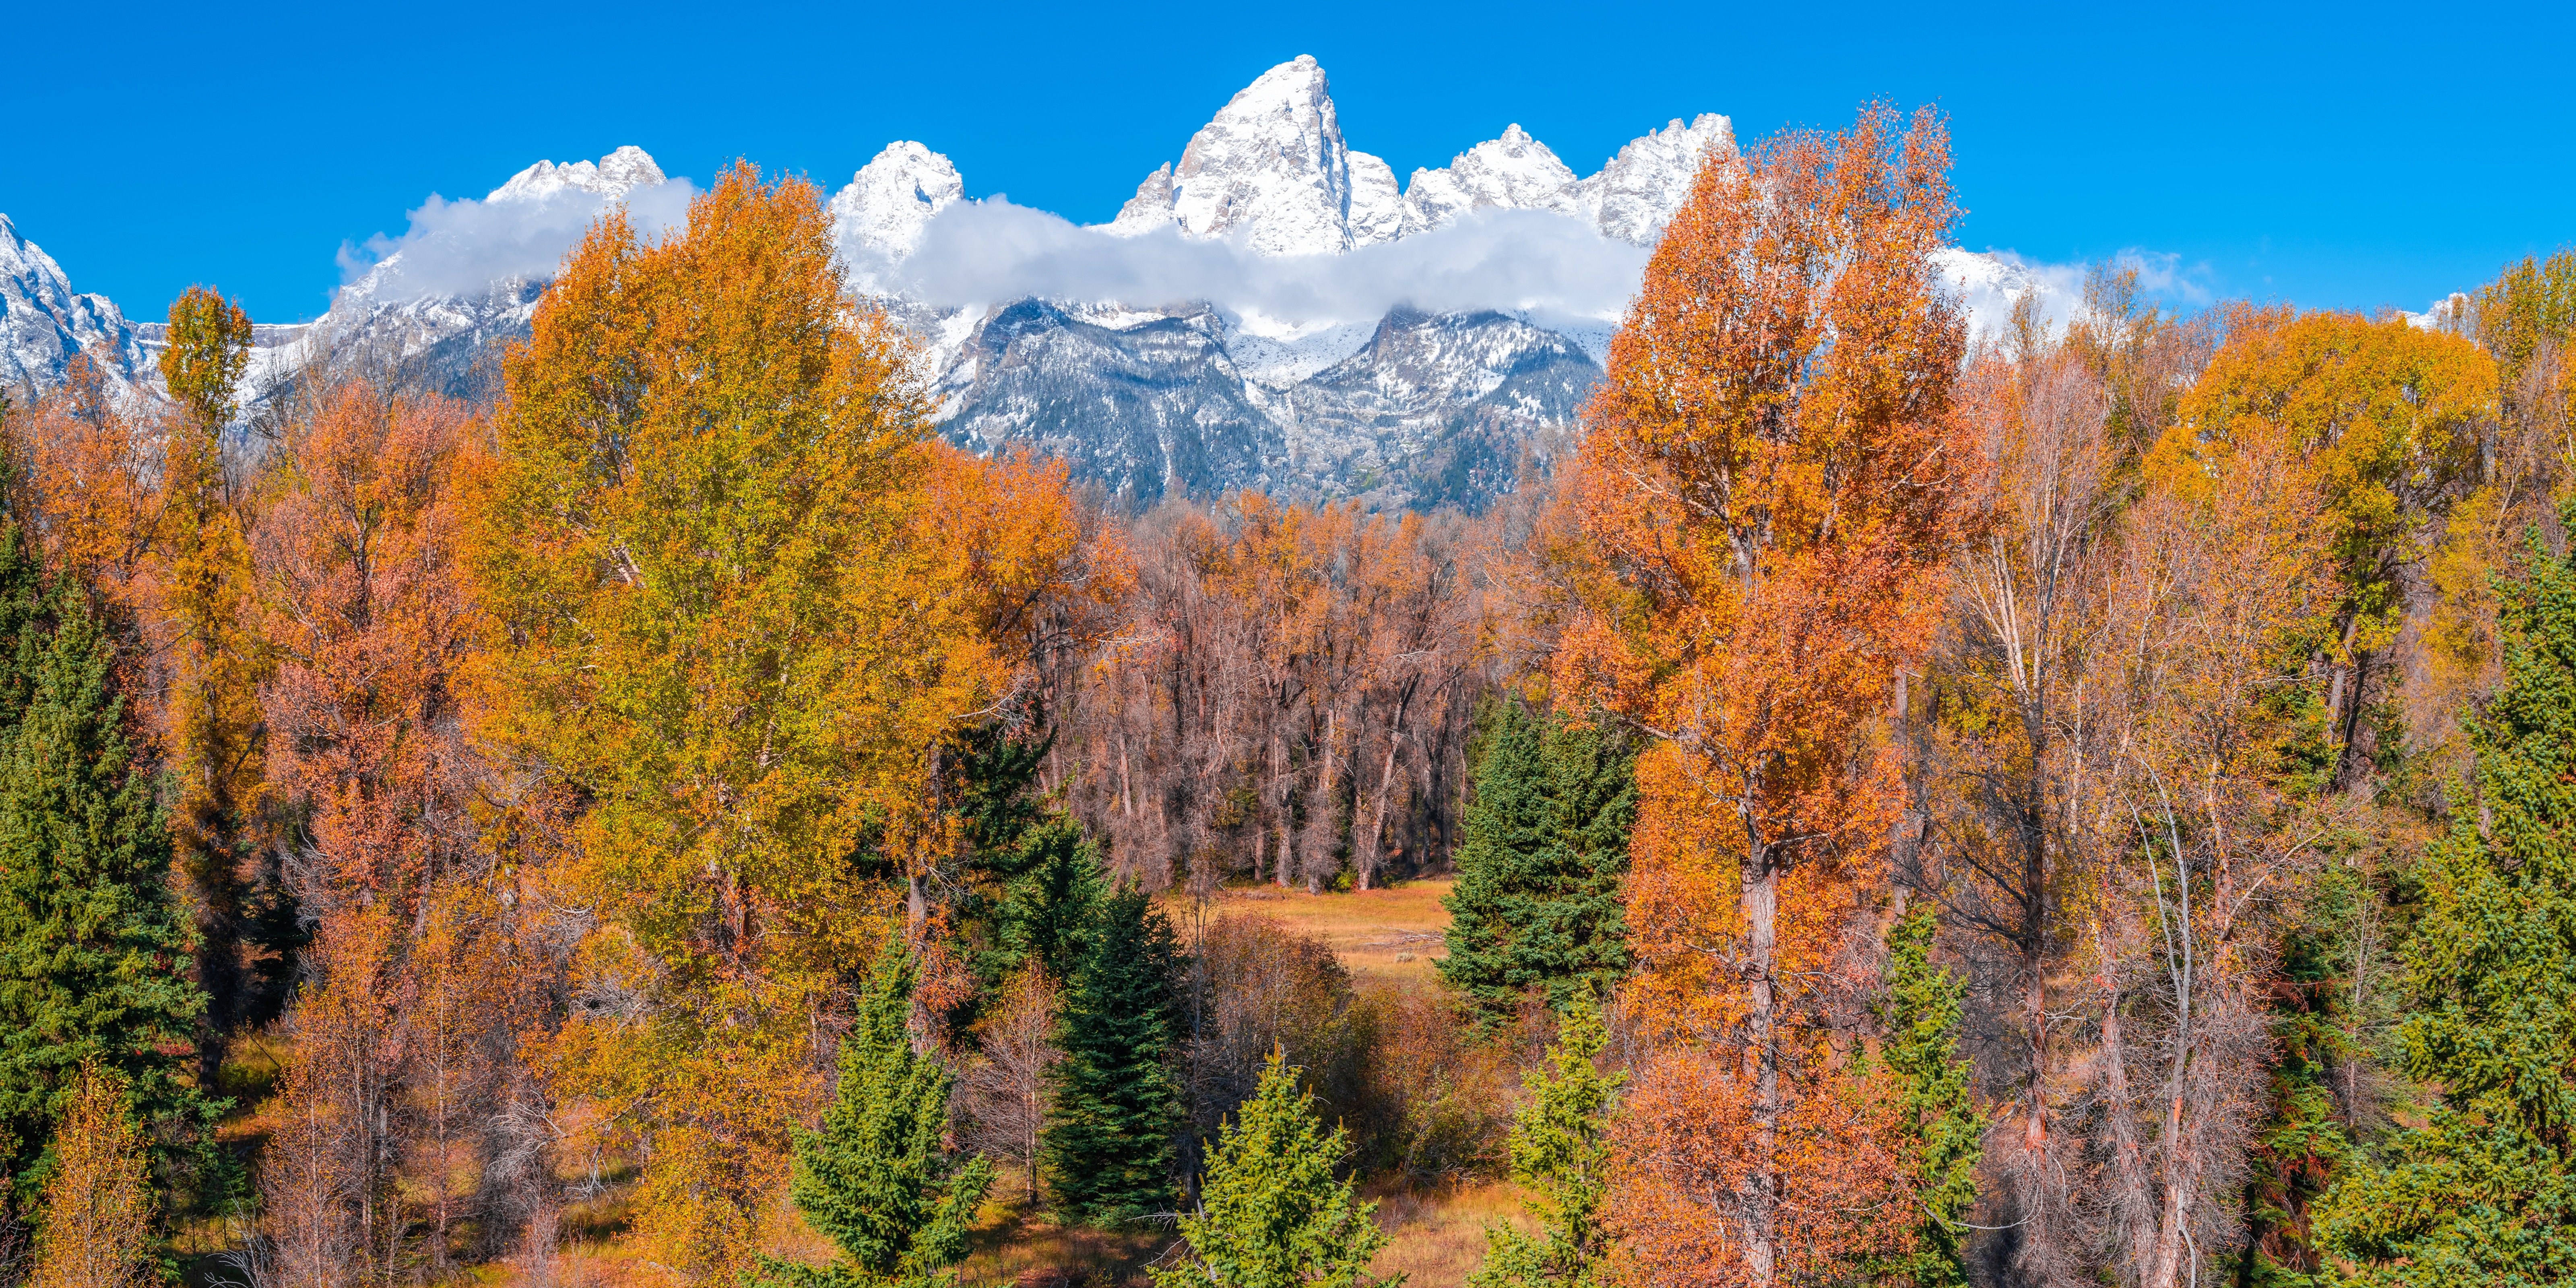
[[874, 1179], [2485, 1191], [1271, 1215], [1109, 1133], [94, 948], [1042, 876], [1921, 1018], [1536, 905], [1561, 1153]]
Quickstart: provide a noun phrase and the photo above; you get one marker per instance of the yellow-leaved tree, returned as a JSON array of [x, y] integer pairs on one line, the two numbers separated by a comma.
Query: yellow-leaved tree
[[217, 658], [720, 630]]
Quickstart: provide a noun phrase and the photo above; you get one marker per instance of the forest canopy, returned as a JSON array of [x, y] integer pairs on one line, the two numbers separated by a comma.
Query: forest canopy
[[1884, 805]]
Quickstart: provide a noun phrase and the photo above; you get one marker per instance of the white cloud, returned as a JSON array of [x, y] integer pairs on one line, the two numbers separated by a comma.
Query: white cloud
[[463, 247], [1532, 261], [1991, 283]]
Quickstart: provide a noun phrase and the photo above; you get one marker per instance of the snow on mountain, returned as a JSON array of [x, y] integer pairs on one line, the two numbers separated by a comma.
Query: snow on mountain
[[1273, 309], [1272, 168], [1514, 172], [517, 233], [614, 175], [890, 201], [1991, 284], [468, 274], [2449, 313], [1636, 192], [44, 324]]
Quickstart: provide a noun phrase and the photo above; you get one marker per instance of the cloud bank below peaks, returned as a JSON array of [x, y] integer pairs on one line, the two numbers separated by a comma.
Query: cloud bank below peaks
[[519, 232], [992, 252]]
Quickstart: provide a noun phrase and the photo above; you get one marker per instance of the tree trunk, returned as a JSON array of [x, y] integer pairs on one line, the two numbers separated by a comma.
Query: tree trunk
[[1761, 908]]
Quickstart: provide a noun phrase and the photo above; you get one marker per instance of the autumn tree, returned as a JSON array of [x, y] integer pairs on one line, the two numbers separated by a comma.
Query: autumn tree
[[2385, 418], [2484, 1191], [1271, 1214], [875, 1177], [1005, 1086], [1536, 903], [1108, 1140], [98, 1229], [1289, 699], [204, 583], [1767, 492], [725, 622]]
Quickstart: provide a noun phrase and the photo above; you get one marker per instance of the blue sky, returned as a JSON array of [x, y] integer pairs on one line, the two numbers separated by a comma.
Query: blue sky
[[2350, 156]]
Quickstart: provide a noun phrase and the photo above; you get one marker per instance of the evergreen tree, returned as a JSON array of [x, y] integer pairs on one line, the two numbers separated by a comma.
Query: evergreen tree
[[1042, 876], [1109, 1133], [93, 947], [1536, 905], [2485, 1191], [1921, 1018], [1561, 1153], [1271, 1215], [874, 1179]]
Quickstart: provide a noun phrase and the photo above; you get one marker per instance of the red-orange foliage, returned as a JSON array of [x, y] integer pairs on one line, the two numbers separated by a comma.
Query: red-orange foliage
[[366, 615], [1767, 490], [398, 1035], [1688, 1149]]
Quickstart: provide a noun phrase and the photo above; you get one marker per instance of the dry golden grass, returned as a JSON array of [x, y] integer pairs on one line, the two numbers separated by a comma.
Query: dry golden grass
[[1436, 1238], [1391, 936]]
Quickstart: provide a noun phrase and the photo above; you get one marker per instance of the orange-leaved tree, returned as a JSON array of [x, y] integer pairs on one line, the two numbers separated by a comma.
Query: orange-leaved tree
[[1767, 493], [719, 627]]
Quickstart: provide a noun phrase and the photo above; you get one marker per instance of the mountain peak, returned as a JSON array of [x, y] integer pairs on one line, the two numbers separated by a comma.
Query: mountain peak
[[1271, 168], [614, 175], [889, 202], [44, 324]]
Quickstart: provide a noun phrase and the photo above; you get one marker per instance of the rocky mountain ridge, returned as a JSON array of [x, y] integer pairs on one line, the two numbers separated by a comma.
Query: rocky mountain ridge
[[1397, 405]]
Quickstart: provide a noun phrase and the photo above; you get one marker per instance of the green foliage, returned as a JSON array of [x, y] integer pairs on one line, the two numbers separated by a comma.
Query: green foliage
[[1561, 1154], [2303, 1141], [1108, 1140], [1921, 1018], [1271, 1215], [2485, 1191], [93, 947], [1536, 905], [874, 1179], [1042, 876]]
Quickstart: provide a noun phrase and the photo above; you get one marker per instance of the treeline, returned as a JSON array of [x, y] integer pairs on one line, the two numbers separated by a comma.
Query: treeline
[[2087, 805]]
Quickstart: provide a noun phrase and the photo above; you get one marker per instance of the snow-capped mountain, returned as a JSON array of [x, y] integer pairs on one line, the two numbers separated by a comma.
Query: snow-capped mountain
[[44, 324], [1273, 170], [435, 307], [1318, 396]]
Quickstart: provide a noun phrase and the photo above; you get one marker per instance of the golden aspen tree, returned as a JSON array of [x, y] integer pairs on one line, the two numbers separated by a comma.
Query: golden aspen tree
[[213, 726], [2385, 416], [98, 1227], [1767, 493], [718, 619]]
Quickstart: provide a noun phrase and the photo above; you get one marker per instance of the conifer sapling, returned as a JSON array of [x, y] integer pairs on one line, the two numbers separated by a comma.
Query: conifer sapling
[[1560, 1152], [875, 1178], [1271, 1214]]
